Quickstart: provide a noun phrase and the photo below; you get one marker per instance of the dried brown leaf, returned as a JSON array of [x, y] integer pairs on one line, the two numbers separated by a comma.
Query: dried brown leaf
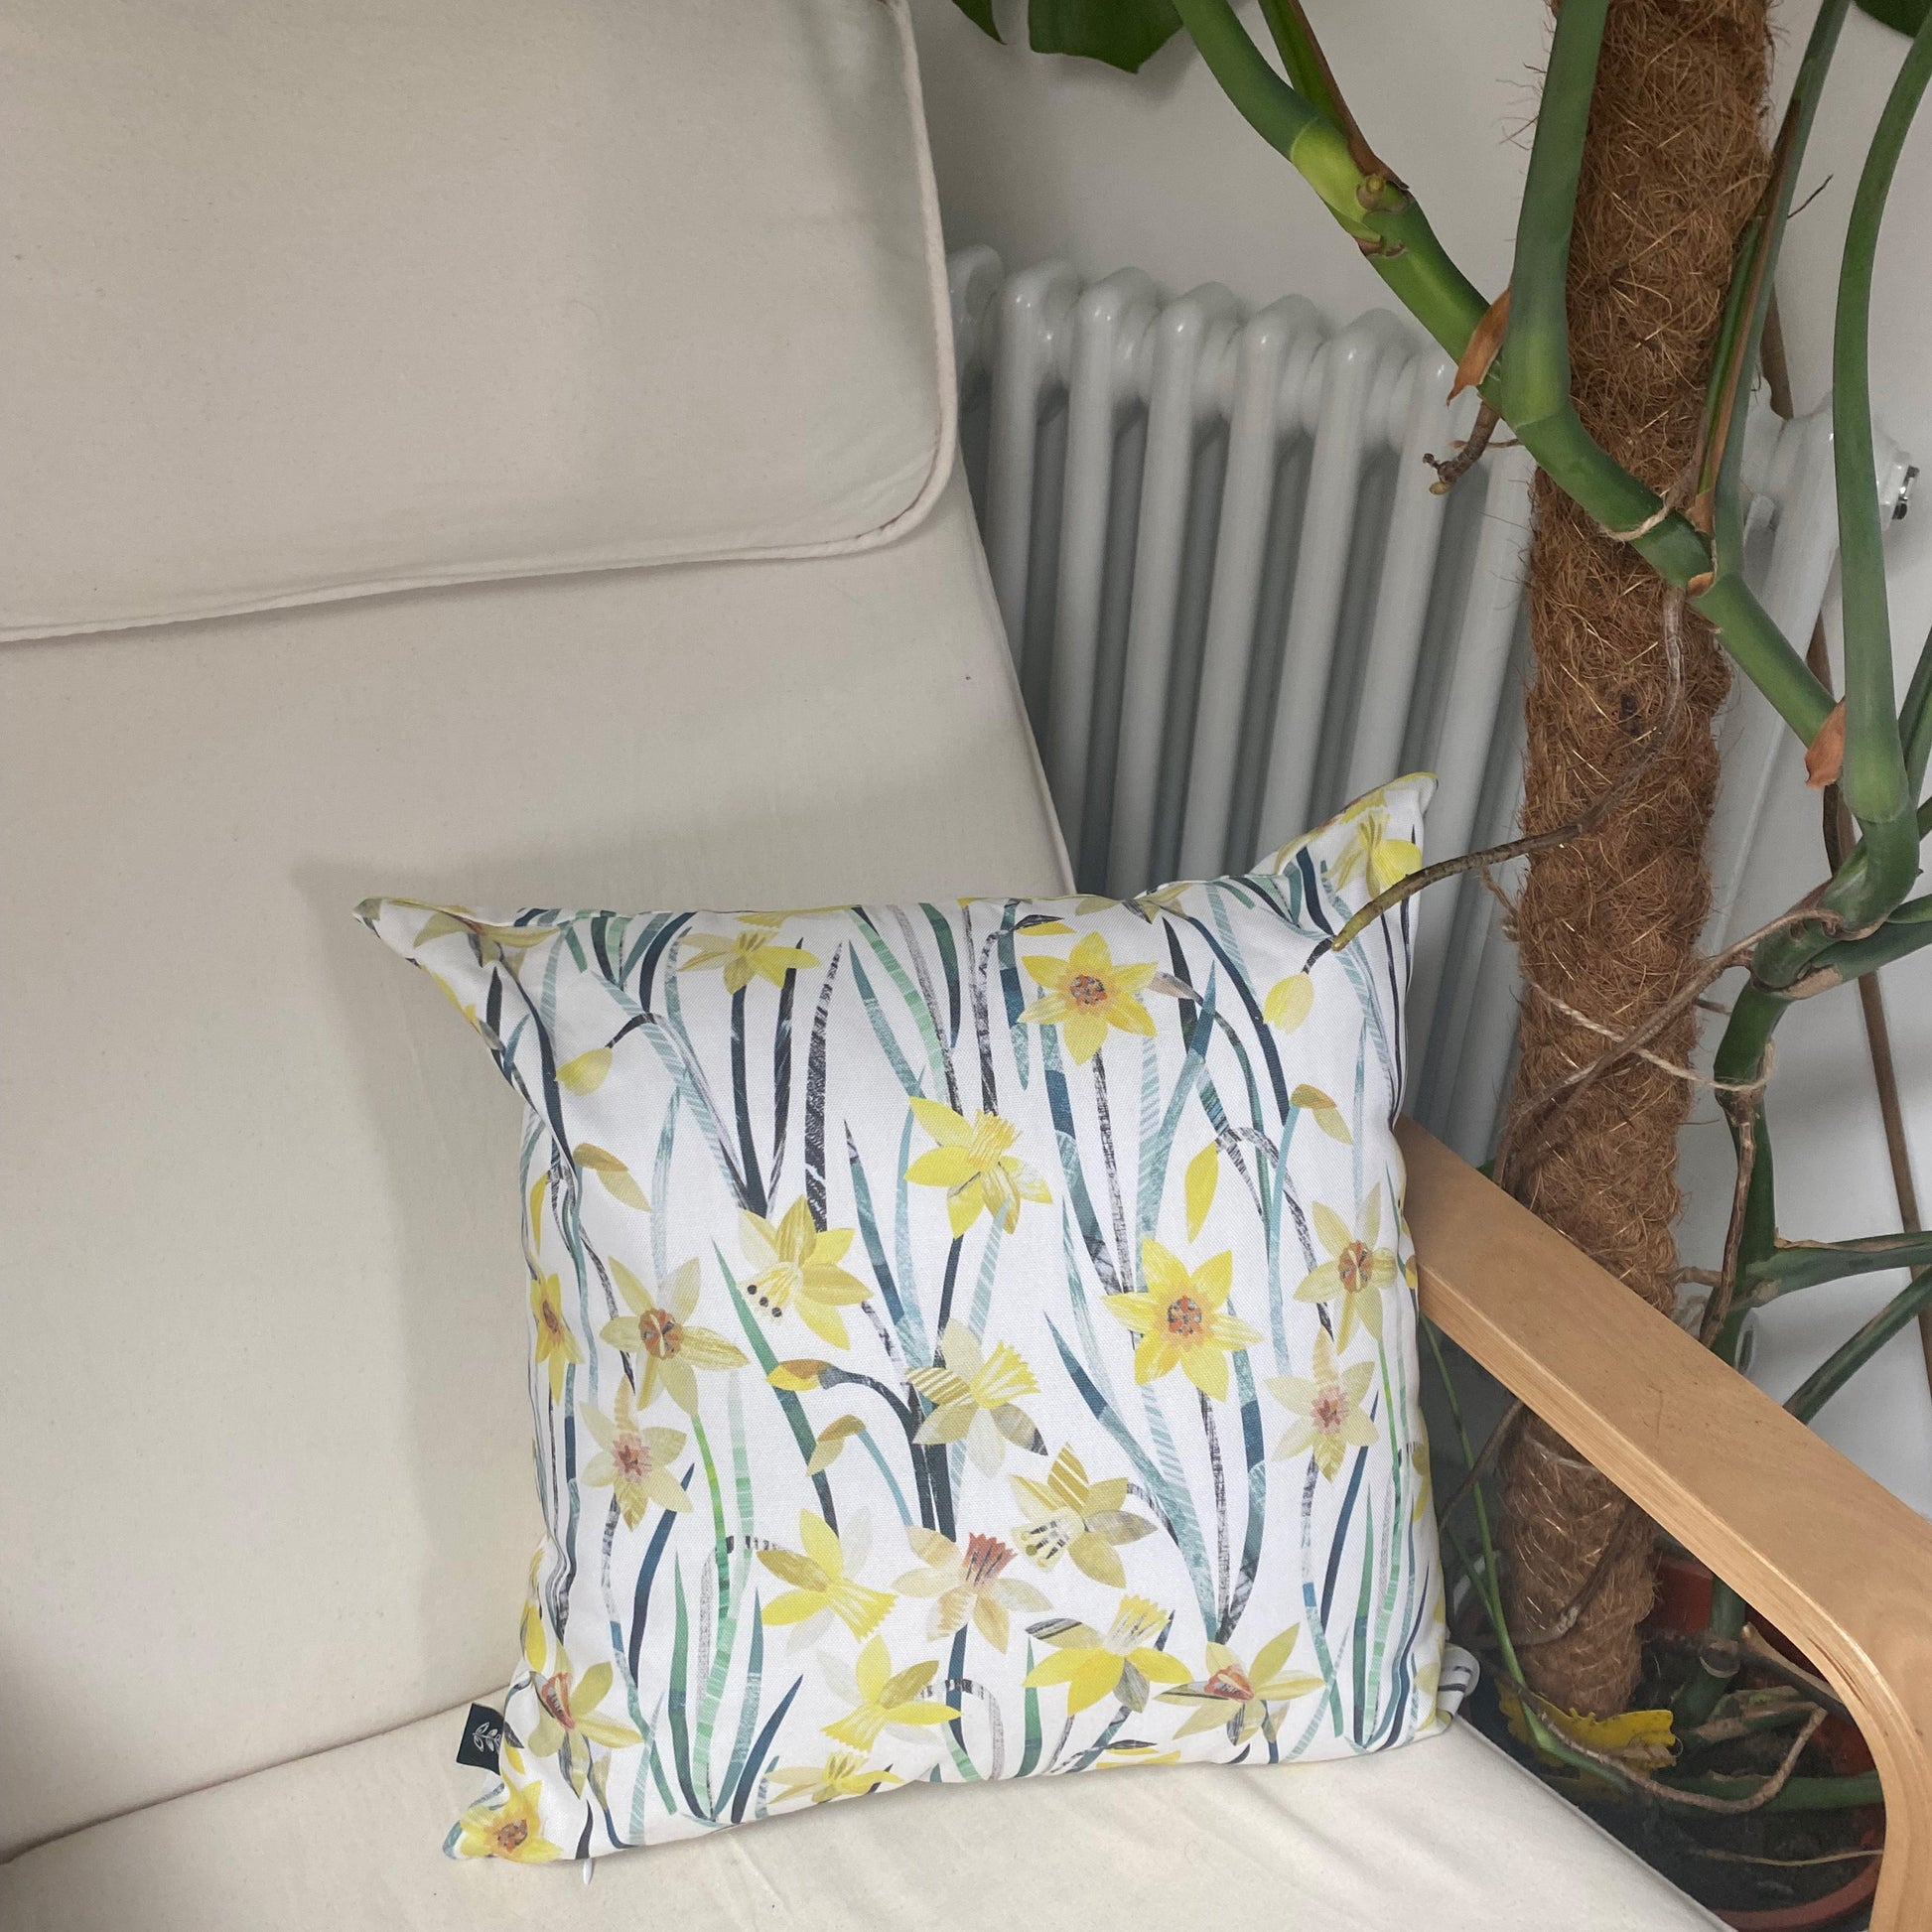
[[1485, 338], [1824, 755]]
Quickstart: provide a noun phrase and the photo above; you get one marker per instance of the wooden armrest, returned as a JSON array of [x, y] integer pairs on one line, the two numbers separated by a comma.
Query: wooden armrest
[[1833, 1559]]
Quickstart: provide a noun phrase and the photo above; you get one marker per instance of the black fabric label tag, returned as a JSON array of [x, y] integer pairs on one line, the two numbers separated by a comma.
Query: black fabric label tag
[[483, 1739]]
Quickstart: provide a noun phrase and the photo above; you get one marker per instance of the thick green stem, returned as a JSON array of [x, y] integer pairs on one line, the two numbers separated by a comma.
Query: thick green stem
[[1390, 227], [1874, 782], [1718, 1661], [1721, 455], [1867, 889], [1740, 1061], [1806, 1263], [1844, 1362], [1915, 720], [1535, 389], [1750, 296], [1537, 347], [1307, 70], [1758, 647], [1908, 930], [1799, 1794], [1785, 957], [1270, 106], [1488, 1587], [1385, 221]]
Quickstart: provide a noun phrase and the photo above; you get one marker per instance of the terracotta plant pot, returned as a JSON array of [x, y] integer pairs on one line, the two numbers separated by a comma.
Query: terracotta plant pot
[[1683, 1608]]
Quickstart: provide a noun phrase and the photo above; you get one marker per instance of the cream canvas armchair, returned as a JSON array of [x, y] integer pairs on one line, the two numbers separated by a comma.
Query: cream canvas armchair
[[510, 445]]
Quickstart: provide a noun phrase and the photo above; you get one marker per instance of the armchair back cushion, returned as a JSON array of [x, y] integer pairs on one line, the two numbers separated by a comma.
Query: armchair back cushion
[[306, 299]]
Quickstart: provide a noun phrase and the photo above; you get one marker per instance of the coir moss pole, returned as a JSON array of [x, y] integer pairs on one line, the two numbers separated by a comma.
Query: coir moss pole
[[1674, 161]]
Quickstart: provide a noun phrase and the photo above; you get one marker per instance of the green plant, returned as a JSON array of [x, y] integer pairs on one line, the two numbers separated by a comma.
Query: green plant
[[1515, 352]]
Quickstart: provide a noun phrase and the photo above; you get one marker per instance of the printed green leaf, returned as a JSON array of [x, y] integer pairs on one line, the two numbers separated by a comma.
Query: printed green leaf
[[437, 926]]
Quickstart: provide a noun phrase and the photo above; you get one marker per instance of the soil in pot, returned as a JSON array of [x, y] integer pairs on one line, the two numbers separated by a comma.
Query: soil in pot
[[1762, 1870], [1767, 1870]]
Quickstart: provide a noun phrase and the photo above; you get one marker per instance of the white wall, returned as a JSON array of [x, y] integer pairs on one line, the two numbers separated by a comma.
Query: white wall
[[1040, 156]]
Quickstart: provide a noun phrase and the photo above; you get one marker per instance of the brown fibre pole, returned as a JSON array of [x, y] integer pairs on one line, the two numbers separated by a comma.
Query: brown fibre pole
[[1609, 924]]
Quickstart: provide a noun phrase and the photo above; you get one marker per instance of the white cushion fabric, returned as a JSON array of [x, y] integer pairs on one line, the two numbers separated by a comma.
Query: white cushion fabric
[[1084, 1214], [215, 1170], [309, 297], [1447, 1835]]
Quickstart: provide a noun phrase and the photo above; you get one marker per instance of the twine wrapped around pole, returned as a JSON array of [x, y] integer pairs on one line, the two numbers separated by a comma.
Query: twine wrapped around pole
[[1609, 924]]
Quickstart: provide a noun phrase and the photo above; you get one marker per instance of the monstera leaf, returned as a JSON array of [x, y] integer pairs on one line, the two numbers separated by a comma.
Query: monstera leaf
[[1123, 33], [1909, 16]]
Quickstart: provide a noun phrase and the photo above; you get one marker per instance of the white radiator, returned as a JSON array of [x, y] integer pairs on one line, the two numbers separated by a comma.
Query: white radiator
[[1234, 604]]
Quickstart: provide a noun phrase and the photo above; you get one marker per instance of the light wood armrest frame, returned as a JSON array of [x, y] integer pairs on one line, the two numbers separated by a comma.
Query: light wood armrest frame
[[1835, 1561]]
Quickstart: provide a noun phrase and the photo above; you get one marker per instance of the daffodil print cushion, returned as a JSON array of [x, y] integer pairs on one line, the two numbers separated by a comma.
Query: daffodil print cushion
[[967, 1342]]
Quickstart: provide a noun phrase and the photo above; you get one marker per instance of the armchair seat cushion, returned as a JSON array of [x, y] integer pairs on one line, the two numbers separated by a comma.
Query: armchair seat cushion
[[288, 1235], [1448, 1833]]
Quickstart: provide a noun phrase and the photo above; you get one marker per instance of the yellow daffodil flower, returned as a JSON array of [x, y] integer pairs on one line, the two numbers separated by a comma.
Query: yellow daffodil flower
[[1330, 1405], [1071, 1516], [975, 1396], [1181, 1318], [1356, 1271], [489, 940], [967, 1583], [1087, 993], [752, 953], [845, 1774], [1240, 1700], [556, 1348], [972, 1164], [663, 1335], [882, 1699], [570, 1725], [797, 1264], [636, 1466], [505, 1830], [1121, 1664], [820, 1589], [1640, 1740], [1383, 860]]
